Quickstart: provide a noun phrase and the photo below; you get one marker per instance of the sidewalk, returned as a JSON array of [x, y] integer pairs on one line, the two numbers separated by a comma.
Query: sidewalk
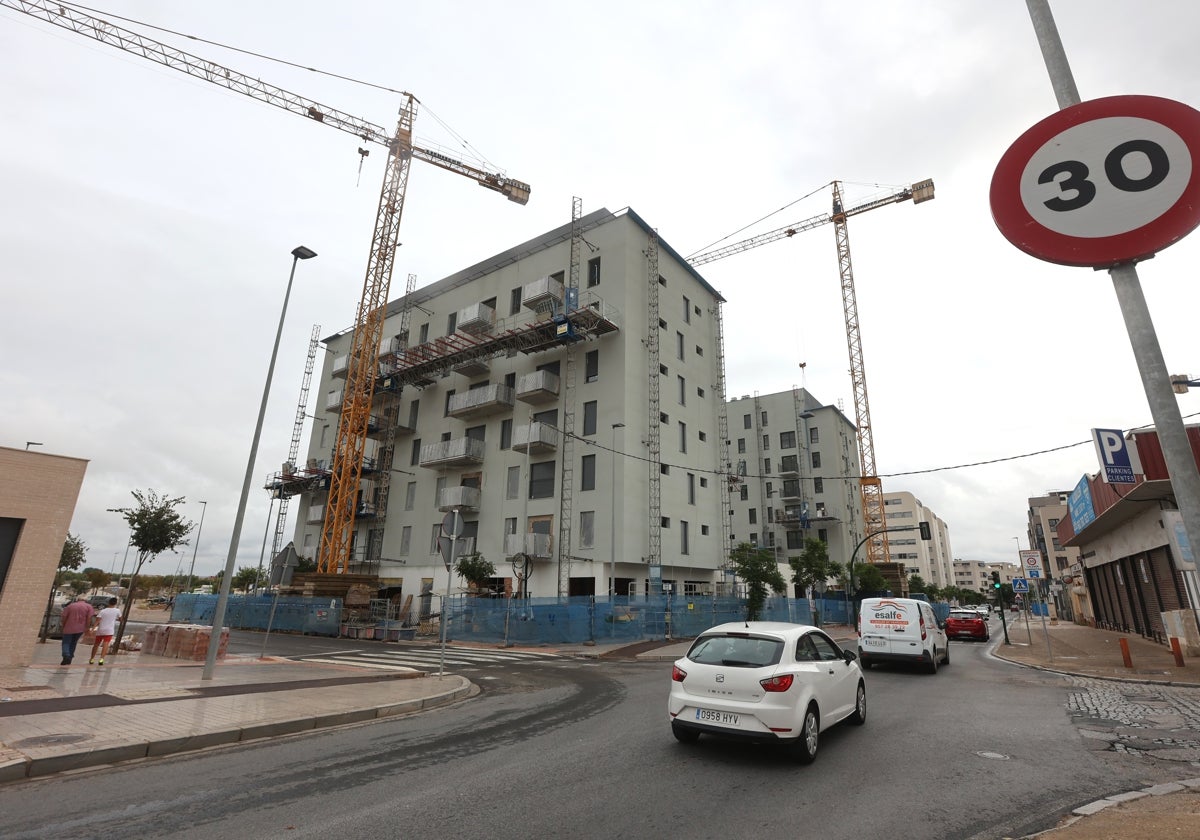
[[55, 718]]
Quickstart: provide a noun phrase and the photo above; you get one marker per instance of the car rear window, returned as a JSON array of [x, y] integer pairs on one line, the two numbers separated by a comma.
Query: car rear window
[[736, 651], [964, 615]]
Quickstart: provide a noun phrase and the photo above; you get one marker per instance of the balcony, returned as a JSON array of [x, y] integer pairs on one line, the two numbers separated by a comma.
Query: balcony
[[791, 490], [461, 452], [542, 295], [538, 387], [333, 401], [476, 319], [536, 546], [465, 499], [316, 513], [789, 469], [463, 547], [480, 402], [475, 367], [536, 438], [341, 364]]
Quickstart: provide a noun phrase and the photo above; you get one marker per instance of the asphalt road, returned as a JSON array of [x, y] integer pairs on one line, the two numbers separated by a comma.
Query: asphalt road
[[582, 749]]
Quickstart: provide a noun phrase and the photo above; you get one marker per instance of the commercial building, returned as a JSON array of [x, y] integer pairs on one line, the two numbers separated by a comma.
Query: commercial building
[[1137, 568], [565, 398], [37, 501], [796, 465]]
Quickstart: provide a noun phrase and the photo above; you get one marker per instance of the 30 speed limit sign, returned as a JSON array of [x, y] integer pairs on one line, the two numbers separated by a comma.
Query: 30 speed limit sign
[[1101, 183]]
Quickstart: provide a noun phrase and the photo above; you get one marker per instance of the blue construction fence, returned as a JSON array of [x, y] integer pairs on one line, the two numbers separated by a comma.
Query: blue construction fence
[[287, 614], [514, 621]]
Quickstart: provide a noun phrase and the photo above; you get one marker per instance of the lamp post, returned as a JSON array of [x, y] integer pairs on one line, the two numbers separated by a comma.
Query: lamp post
[[196, 546], [214, 644], [612, 563]]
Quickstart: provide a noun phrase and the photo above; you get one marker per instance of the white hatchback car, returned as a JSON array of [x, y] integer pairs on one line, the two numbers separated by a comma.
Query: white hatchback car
[[766, 681]]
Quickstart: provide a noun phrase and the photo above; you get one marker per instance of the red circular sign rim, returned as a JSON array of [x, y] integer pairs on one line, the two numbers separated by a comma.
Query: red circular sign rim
[[1030, 236]]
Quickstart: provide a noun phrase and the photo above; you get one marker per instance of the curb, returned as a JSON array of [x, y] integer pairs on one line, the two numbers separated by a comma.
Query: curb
[[1099, 805], [15, 765]]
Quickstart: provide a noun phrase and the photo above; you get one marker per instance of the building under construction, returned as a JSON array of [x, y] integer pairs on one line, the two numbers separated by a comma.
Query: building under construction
[[566, 398]]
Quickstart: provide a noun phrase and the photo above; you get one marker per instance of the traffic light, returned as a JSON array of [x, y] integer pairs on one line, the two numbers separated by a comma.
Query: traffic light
[[995, 580], [925, 535]]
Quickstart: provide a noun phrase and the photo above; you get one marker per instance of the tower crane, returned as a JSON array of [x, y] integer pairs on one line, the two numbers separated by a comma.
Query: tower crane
[[346, 468], [870, 486]]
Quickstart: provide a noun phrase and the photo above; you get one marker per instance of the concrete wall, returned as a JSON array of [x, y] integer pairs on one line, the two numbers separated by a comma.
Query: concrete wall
[[39, 493]]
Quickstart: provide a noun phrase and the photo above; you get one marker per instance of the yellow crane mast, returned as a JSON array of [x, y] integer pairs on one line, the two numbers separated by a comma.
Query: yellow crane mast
[[870, 487], [346, 469]]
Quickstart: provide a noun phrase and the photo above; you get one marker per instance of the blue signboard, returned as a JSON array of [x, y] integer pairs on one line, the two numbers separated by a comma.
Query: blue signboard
[[1080, 505], [1020, 585], [1118, 462]]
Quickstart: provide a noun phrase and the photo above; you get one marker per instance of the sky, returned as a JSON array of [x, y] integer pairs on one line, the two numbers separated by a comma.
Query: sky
[[148, 220]]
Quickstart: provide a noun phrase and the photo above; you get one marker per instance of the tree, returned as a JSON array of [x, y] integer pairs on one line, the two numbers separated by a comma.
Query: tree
[[758, 569], [305, 565], [247, 577], [98, 578], [155, 526], [916, 583], [74, 551], [813, 566], [475, 570]]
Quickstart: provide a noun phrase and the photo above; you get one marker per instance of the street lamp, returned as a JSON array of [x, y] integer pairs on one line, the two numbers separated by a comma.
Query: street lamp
[[612, 567], [214, 644], [196, 546]]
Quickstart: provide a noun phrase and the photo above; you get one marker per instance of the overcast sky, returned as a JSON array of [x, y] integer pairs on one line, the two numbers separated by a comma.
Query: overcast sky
[[148, 219]]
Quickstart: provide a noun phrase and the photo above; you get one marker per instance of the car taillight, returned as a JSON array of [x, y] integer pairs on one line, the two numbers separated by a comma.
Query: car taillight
[[922, 628], [780, 683], [678, 674]]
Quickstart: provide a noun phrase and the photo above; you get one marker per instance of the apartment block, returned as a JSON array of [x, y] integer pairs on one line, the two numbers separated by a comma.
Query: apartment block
[[931, 559], [564, 398], [796, 466]]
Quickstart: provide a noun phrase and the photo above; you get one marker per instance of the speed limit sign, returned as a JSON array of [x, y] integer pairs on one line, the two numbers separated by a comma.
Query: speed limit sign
[[1103, 182]]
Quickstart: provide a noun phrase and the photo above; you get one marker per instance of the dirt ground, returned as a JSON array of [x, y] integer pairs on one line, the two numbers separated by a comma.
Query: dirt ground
[[1174, 815]]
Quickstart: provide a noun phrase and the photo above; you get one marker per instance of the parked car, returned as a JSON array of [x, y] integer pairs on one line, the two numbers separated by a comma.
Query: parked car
[[901, 630], [967, 624], [765, 682]]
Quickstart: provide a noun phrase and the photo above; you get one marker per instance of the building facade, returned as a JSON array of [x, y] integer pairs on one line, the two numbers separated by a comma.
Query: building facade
[[565, 398], [796, 463], [36, 505], [1058, 560], [932, 559], [1136, 570], [976, 576]]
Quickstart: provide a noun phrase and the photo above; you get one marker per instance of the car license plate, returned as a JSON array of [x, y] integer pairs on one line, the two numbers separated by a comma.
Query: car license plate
[[876, 643], [711, 716]]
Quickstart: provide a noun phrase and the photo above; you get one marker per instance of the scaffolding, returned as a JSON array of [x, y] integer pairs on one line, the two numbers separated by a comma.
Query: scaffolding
[[654, 432], [289, 465], [567, 439]]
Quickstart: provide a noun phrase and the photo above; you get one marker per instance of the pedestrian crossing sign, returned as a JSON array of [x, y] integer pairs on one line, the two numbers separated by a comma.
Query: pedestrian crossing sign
[[1020, 585]]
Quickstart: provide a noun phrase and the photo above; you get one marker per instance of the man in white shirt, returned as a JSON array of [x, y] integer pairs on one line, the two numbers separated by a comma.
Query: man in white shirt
[[106, 628]]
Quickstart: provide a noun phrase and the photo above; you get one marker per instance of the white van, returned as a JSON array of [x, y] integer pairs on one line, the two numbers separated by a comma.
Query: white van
[[901, 630]]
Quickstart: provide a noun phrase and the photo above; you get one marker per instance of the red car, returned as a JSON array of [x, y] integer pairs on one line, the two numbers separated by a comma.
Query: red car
[[967, 624]]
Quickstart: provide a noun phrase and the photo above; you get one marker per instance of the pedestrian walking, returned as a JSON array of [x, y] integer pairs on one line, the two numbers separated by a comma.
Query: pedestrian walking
[[106, 628], [76, 618]]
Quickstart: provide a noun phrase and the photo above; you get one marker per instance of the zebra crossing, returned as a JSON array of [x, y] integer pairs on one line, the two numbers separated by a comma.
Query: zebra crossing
[[428, 658]]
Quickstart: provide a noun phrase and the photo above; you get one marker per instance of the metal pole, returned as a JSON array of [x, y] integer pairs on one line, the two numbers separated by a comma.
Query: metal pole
[[1164, 410], [196, 547], [214, 643], [263, 553], [446, 600], [612, 567]]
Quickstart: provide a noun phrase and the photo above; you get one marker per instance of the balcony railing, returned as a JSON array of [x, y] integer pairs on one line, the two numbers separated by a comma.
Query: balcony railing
[[341, 364], [537, 438], [541, 386], [333, 401], [316, 513], [460, 452], [476, 319], [480, 402], [463, 498], [542, 294], [535, 545]]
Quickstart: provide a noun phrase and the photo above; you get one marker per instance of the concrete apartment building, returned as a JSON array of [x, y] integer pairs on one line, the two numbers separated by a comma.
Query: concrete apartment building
[[931, 559], [797, 464], [565, 396], [976, 575], [1060, 563]]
